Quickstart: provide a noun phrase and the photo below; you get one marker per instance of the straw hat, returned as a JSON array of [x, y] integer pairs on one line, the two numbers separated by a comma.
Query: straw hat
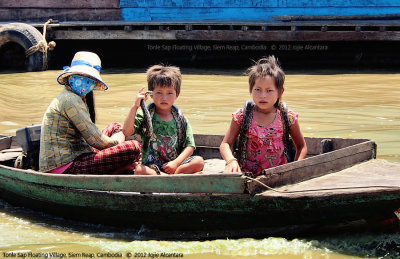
[[87, 64]]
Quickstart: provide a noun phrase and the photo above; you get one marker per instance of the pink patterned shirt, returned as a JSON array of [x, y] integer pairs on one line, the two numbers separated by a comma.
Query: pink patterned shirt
[[265, 143]]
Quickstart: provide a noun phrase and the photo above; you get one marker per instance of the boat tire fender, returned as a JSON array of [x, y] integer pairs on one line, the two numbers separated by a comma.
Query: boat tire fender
[[26, 36]]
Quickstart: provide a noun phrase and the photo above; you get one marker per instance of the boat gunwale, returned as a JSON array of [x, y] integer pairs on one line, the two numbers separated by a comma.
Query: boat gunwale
[[325, 197], [210, 209], [303, 170], [124, 204], [202, 183]]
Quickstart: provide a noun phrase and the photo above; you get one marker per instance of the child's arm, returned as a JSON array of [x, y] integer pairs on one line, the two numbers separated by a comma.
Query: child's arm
[[226, 148], [299, 142], [129, 125], [171, 166]]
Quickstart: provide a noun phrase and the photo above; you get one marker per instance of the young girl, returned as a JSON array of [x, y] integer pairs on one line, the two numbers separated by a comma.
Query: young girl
[[263, 141]]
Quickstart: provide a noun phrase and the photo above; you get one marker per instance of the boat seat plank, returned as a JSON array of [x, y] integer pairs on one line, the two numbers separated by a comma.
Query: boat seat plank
[[315, 146], [5, 142], [208, 140], [369, 177], [9, 156]]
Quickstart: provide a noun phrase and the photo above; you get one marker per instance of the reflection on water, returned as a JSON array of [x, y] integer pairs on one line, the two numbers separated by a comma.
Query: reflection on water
[[24, 231], [330, 105]]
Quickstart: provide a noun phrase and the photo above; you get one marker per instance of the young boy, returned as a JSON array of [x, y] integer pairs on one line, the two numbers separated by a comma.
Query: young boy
[[168, 143]]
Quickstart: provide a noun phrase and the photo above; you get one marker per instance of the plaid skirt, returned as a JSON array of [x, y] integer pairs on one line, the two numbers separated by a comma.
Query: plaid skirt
[[109, 160]]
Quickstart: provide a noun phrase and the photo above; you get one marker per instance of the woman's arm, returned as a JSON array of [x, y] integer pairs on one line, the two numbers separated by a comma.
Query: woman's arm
[[299, 141], [76, 111], [226, 148]]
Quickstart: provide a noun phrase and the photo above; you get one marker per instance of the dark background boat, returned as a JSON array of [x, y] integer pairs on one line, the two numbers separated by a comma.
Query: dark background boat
[[211, 33]]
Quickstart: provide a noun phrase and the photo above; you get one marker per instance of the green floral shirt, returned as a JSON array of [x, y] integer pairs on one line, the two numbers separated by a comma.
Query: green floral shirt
[[162, 146]]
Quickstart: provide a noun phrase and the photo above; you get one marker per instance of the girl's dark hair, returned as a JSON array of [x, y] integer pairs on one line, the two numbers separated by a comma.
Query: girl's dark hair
[[89, 99], [268, 66]]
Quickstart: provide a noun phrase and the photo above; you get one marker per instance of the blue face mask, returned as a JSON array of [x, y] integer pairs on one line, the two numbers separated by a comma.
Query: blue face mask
[[81, 85]]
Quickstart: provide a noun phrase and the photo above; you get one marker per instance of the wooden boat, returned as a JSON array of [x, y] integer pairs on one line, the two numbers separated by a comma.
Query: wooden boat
[[330, 186]]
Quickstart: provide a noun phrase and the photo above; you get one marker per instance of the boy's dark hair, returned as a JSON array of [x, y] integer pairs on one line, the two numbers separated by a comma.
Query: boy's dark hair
[[164, 76], [268, 66]]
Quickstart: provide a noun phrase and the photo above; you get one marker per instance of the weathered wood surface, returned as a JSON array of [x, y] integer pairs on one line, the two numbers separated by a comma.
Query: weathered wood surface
[[70, 4], [287, 35], [120, 201], [364, 191], [207, 146], [368, 178], [210, 183], [260, 33], [250, 10], [258, 3], [336, 17], [227, 10], [242, 13], [314, 145], [222, 211], [181, 211], [9, 155], [209, 141], [239, 30], [347, 153], [43, 14], [214, 201], [74, 10], [315, 166], [113, 35], [224, 25], [5, 142]]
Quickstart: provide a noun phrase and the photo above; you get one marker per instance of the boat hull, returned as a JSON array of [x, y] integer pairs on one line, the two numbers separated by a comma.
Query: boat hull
[[200, 212], [326, 188]]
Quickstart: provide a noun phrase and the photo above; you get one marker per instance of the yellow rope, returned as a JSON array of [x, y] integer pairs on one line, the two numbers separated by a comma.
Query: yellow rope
[[42, 46], [324, 189]]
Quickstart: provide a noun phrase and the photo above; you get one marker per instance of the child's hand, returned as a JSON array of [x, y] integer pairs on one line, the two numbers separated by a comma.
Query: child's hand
[[119, 136], [232, 167], [170, 167], [140, 96]]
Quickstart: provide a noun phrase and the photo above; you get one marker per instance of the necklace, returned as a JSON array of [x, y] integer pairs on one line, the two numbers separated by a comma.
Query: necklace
[[266, 113]]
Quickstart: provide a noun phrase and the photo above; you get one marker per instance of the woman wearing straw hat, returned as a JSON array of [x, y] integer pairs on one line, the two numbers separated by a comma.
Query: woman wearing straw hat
[[70, 142]]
